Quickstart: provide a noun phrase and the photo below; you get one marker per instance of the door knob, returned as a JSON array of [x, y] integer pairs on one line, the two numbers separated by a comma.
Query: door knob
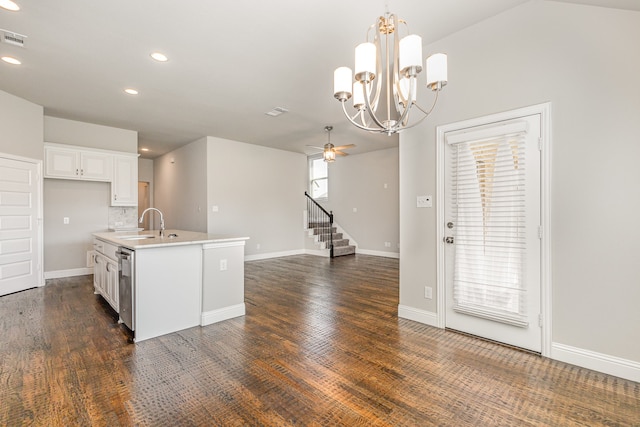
[[448, 239], [449, 225]]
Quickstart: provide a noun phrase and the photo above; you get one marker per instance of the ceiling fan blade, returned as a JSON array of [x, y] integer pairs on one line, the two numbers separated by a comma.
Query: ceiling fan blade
[[341, 153], [343, 147]]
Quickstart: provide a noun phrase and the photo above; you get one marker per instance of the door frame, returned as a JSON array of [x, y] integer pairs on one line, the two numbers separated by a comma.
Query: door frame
[[39, 262], [544, 110]]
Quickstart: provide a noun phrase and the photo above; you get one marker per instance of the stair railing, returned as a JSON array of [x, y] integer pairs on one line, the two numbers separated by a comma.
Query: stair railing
[[319, 218]]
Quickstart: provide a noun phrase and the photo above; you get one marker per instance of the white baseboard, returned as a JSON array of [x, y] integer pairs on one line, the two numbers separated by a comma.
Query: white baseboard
[[427, 317], [378, 253], [274, 254], [317, 252], [221, 314], [611, 365], [57, 274]]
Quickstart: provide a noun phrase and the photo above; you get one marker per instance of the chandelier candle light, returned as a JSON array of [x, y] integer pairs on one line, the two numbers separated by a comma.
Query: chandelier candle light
[[397, 82]]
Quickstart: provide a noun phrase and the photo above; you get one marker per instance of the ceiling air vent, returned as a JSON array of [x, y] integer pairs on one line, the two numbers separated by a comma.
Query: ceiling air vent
[[10, 37], [277, 111]]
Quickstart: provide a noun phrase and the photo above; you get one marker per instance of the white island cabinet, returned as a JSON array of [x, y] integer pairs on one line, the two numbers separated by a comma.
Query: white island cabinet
[[182, 279]]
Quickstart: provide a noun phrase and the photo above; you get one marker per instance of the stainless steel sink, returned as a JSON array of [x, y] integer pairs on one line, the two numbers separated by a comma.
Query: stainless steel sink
[[137, 237]]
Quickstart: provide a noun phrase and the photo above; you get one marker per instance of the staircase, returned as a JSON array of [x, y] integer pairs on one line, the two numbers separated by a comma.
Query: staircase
[[324, 235], [321, 228]]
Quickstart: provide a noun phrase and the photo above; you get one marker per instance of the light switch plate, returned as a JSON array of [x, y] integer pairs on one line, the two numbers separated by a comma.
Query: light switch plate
[[424, 201]]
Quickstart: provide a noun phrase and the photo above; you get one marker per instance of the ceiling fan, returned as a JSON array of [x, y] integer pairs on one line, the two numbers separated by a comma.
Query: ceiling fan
[[329, 150]]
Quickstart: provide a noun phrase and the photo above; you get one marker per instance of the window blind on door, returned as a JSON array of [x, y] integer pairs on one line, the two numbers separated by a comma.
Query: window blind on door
[[489, 212]]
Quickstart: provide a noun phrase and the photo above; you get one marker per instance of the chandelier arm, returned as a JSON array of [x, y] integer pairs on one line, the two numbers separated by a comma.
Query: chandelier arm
[[432, 105], [372, 113], [378, 83], [404, 115], [396, 68], [362, 117], [358, 125], [426, 113], [388, 75], [404, 119]]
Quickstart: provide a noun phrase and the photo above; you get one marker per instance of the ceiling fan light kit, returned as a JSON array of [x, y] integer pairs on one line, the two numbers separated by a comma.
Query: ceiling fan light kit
[[396, 83], [329, 151]]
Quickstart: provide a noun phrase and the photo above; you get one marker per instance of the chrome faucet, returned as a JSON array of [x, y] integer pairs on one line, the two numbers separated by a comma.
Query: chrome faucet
[[161, 219]]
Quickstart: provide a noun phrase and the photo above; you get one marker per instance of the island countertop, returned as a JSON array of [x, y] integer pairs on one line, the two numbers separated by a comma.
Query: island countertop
[[136, 239]]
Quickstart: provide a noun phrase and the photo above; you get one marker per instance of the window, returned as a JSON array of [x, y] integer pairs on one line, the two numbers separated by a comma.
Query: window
[[318, 177], [489, 207]]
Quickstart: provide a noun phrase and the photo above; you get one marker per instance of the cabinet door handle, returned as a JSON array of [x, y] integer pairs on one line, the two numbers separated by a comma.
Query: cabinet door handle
[[81, 171], [77, 172]]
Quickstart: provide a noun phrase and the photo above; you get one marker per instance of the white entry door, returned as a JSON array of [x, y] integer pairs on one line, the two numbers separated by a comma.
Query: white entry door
[[491, 229], [20, 246]]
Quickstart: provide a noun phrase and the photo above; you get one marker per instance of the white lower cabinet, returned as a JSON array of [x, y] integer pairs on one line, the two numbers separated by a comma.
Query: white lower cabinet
[[105, 272]]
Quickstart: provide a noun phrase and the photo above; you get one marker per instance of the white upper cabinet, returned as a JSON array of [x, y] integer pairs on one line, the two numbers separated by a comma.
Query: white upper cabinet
[[119, 168], [124, 186], [77, 164]]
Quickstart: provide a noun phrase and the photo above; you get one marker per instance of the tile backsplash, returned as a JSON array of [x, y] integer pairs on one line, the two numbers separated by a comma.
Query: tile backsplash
[[120, 217]]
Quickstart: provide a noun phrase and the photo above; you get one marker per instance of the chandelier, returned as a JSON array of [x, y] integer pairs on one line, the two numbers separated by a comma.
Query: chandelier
[[392, 82]]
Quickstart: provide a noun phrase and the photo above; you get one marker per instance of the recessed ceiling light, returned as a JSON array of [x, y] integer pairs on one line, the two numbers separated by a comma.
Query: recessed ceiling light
[[131, 91], [144, 149], [160, 57], [11, 60], [9, 5]]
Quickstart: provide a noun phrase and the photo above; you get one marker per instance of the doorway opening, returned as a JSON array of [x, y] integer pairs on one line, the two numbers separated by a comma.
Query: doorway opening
[[144, 202]]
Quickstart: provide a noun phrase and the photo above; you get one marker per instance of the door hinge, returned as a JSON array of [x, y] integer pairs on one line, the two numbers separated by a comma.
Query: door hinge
[[539, 144], [540, 320], [540, 232]]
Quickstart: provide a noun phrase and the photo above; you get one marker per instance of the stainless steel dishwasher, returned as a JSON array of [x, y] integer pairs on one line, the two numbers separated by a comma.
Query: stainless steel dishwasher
[[126, 289]]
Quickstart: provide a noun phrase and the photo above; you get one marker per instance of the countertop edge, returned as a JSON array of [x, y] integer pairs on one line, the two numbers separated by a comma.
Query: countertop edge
[[190, 238]]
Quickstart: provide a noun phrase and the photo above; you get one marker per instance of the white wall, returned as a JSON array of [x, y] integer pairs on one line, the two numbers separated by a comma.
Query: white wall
[[20, 127], [358, 181], [259, 193], [145, 170], [86, 204], [586, 62], [72, 132], [180, 187]]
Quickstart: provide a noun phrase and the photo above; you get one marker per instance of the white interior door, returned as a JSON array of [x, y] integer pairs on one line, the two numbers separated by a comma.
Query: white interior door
[[491, 229], [20, 246]]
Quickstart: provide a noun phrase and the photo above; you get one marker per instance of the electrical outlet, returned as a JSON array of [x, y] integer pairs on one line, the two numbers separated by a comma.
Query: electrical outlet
[[223, 264], [387, 244], [65, 220], [428, 292], [257, 246]]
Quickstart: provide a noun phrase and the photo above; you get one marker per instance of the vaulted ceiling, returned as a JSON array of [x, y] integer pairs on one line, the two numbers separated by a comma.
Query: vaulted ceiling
[[229, 63]]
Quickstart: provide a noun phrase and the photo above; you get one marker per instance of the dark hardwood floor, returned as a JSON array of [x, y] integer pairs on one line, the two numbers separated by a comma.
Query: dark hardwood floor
[[321, 345]]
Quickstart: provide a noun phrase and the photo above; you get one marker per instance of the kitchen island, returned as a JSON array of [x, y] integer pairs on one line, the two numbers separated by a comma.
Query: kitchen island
[[179, 280]]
